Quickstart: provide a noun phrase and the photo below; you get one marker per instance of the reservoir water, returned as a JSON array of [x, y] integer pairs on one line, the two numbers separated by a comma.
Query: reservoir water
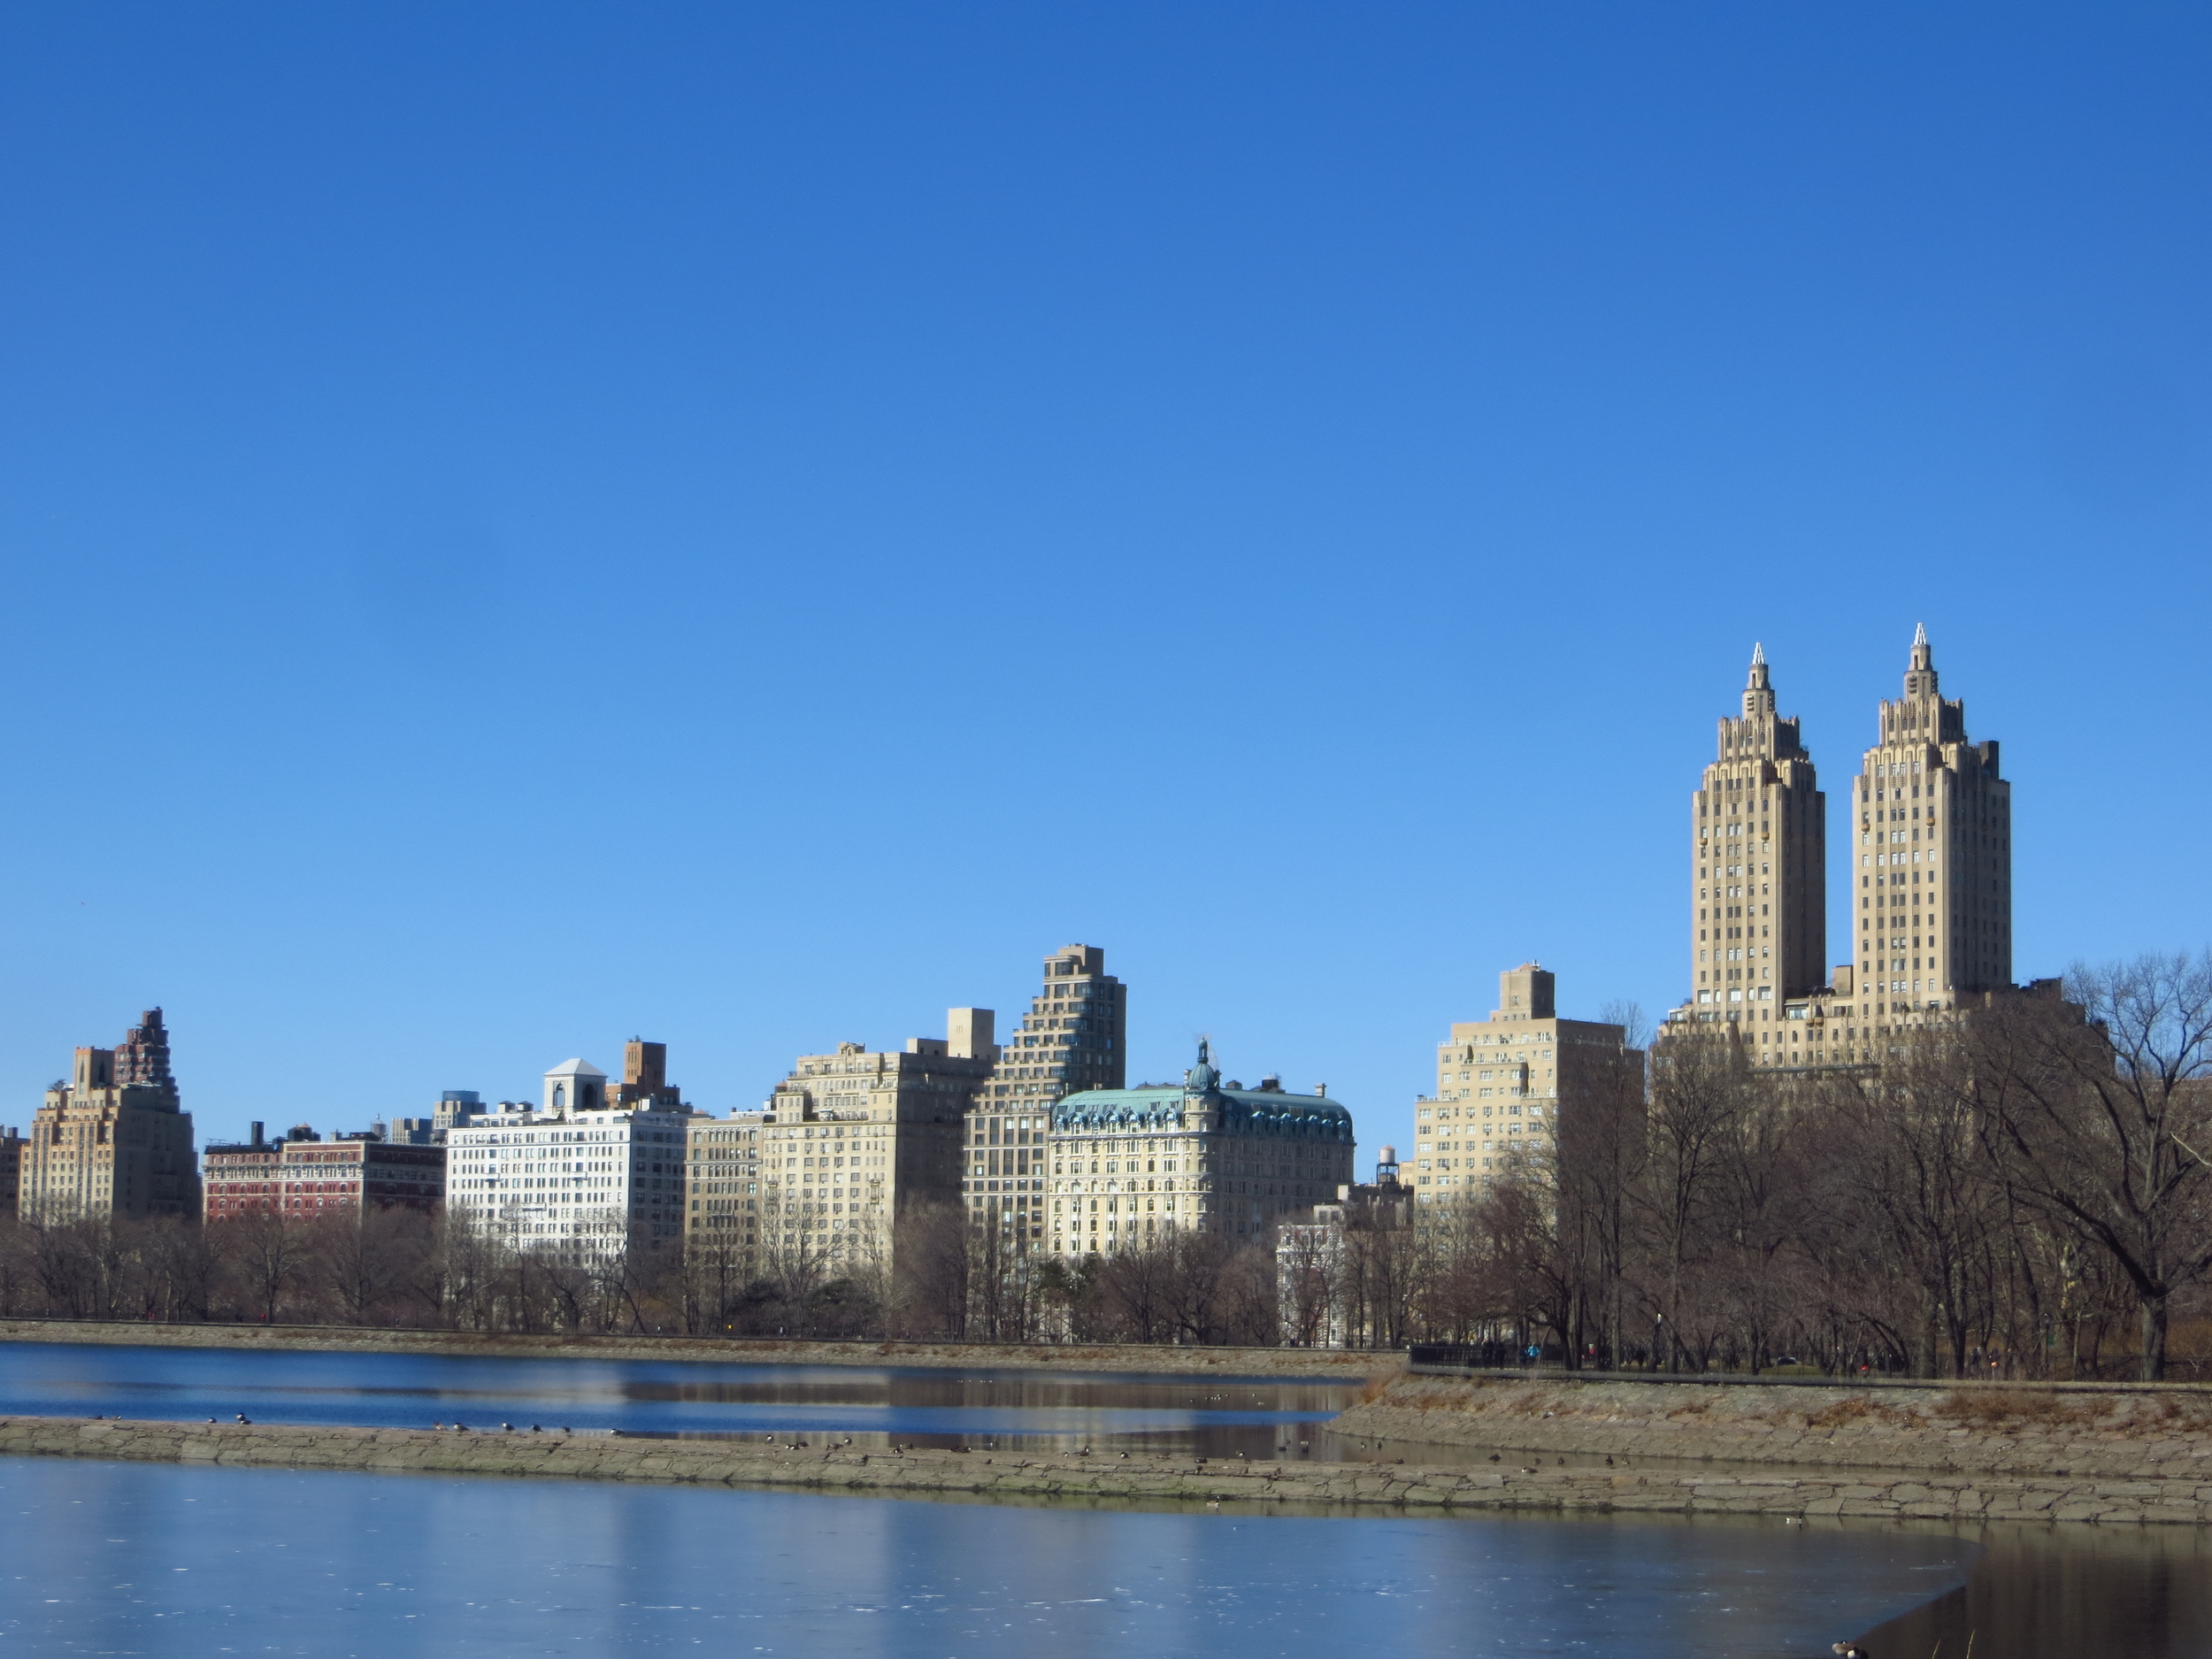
[[122, 1558], [1220, 1416], [107, 1558]]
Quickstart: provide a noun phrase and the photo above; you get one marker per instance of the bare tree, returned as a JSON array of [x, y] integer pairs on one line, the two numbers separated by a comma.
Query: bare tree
[[1700, 1086], [1138, 1292], [184, 1264], [272, 1254], [932, 1261], [2101, 1113]]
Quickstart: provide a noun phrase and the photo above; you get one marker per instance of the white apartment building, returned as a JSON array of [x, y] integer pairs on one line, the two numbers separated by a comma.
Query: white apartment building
[[582, 1177]]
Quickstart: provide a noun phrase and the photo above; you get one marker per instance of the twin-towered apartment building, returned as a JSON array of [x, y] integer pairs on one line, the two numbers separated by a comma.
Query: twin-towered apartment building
[[1929, 905]]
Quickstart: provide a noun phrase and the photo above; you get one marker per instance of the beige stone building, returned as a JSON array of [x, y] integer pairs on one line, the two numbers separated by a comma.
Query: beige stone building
[[1930, 915], [851, 1141], [112, 1140], [722, 1165], [1131, 1165], [1759, 853], [1073, 1039], [1933, 877], [1502, 1085]]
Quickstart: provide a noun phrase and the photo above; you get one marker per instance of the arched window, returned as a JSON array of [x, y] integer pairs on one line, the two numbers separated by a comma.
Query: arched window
[[560, 1097]]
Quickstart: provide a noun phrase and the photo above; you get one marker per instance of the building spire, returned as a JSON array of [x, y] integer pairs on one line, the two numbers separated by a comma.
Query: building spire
[[1920, 679], [1758, 688]]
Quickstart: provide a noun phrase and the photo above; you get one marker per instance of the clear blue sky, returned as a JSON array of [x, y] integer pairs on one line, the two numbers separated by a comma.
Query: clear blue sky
[[528, 525]]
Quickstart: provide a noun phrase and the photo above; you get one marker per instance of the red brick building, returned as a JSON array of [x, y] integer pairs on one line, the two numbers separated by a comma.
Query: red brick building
[[303, 1176], [239, 1178]]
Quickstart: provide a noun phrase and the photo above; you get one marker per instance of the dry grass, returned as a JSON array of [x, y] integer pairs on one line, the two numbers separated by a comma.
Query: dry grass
[[1999, 1409], [1856, 1408]]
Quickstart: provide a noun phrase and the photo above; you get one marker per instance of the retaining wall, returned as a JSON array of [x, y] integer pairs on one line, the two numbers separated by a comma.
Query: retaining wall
[[1350, 1488]]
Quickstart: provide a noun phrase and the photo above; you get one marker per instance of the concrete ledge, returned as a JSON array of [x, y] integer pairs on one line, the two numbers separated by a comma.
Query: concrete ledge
[[1359, 1487]]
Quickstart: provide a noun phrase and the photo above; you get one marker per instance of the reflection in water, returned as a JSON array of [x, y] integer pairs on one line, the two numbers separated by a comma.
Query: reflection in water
[[119, 1557], [1217, 1417], [1213, 1417], [2097, 1592]]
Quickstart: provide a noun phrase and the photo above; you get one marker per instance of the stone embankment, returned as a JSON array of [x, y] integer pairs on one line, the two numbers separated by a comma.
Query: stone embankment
[[1290, 1365], [2128, 1432], [1345, 1487]]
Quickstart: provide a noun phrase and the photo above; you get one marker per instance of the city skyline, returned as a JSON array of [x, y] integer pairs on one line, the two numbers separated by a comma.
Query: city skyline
[[1761, 738], [762, 564]]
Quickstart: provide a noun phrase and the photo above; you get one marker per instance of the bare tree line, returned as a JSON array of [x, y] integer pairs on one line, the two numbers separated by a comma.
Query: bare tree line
[[2023, 1193]]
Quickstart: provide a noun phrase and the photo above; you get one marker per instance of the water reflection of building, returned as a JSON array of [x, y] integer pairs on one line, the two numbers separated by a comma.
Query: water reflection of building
[[1130, 1166]]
